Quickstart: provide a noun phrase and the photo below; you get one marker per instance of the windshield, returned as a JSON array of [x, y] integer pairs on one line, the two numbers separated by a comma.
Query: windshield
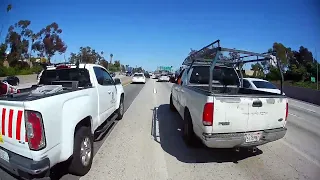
[[138, 75], [264, 84], [221, 75]]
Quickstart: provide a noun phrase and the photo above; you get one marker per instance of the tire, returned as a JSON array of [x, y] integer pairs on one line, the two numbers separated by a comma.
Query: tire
[[172, 108], [82, 139], [188, 133], [120, 110]]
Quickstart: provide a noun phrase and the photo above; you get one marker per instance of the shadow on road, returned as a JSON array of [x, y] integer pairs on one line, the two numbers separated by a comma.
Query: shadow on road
[[170, 138]]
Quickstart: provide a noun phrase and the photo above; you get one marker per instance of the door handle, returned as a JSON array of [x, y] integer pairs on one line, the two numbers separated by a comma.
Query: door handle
[[257, 103], [109, 92]]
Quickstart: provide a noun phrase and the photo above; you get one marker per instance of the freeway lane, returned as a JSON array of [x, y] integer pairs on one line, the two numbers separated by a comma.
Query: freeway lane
[[131, 91], [147, 144]]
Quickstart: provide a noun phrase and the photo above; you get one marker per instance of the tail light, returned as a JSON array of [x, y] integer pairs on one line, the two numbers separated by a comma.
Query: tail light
[[35, 130], [287, 110], [207, 115], [63, 67]]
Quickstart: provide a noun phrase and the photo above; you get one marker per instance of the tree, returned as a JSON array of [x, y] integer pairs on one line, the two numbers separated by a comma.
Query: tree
[[18, 39], [257, 70], [117, 64], [87, 55], [104, 63], [49, 42], [3, 49], [123, 68], [111, 55]]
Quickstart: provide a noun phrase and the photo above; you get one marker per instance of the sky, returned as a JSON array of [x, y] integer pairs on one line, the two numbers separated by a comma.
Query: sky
[[161, 33]]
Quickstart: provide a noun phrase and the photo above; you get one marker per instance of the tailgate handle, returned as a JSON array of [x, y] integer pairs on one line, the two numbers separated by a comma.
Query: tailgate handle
[[257, 103]]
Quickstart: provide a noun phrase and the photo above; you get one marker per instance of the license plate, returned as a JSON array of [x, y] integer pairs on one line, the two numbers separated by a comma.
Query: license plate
[[252, 137], [4, 155]]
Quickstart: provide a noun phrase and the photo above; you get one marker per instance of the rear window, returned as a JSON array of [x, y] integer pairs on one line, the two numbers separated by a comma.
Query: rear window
[[264, 84], [138, 75], [221, 75], [73, 74]]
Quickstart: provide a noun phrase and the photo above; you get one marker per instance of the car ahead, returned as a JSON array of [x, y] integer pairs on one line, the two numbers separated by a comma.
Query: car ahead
[[260, 85], [12, 80], [163, 78], [138, 78], [147, 75], [58, 120]]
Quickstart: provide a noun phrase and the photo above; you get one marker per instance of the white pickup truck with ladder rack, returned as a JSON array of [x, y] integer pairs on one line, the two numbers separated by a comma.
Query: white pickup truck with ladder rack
[[215, 107], [58, 120]]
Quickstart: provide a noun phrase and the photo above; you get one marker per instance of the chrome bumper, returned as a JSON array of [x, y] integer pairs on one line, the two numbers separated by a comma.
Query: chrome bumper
[[231, 140]]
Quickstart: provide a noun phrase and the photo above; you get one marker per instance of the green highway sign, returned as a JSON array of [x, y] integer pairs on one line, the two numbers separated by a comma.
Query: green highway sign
[[165, 68], [313, 79]]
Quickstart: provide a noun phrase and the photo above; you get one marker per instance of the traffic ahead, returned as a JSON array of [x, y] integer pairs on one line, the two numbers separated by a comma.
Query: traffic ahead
[[147, 144]]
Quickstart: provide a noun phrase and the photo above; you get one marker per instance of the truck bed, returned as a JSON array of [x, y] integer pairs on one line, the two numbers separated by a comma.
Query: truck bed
[[25, 94], [232, 91]]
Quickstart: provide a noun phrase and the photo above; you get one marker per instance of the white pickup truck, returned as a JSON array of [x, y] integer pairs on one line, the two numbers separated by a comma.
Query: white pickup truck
[[58, 119], [223, 114]]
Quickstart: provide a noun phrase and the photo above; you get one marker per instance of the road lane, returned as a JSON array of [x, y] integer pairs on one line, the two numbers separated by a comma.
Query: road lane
[[131, 91], [148, 145]]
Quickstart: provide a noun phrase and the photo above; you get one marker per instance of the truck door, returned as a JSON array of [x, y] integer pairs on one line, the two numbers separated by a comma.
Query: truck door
[[106, 93]]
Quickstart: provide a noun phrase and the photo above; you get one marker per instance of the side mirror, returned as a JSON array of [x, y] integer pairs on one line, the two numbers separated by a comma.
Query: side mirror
[[117, 81]]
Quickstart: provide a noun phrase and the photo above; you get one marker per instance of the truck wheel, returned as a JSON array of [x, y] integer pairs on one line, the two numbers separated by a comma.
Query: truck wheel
[[188, 133], [120, 110], [172, 108], [82, 152]]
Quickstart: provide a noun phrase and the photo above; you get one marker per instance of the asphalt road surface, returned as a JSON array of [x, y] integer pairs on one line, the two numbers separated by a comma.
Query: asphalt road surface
[[147, 145], [131, 92]]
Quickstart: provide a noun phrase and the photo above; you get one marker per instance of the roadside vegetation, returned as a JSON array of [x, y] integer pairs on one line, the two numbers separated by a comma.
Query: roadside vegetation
[[299, 67], [23, 49]]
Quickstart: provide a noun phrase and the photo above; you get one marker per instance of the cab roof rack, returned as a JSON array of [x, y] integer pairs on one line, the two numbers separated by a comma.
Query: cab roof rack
[[212, 55]]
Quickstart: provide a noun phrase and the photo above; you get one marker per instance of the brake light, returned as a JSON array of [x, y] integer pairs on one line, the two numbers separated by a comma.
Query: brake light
[[63, 67], [35, 130], [207, 115], [287, 110]]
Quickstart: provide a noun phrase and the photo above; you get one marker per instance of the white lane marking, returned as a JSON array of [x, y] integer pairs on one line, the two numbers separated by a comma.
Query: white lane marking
[[154, 91], [301, 153], [162, 164], [303, 108], [294, 115]]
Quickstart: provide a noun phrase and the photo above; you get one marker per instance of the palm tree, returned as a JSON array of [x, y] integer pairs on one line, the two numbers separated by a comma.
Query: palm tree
[[111, 55]]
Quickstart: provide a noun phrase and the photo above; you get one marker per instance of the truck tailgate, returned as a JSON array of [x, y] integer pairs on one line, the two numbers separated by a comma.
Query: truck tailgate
[[12, 129], [243, 114], [267, 113]]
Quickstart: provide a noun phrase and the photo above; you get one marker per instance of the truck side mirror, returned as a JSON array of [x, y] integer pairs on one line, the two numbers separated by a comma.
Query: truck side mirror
[[117, 81]]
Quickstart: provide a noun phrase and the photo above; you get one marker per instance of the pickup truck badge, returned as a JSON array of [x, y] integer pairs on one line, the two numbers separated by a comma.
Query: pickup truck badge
[[224, 123]]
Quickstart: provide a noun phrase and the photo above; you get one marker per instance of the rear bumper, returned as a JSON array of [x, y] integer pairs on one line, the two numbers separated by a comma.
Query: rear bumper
[[163, 79], [24, 167], [138, 80], [232, 140]]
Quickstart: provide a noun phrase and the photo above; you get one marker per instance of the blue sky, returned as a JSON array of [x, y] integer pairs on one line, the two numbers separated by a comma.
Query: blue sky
[[161, 33]]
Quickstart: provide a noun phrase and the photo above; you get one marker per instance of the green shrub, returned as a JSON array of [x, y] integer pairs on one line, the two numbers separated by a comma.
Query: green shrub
[[11, 71]]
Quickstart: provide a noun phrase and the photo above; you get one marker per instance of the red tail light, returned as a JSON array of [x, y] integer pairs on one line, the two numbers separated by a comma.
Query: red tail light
[[35, 130], [287, 110], [63, 67], [207, 115]]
